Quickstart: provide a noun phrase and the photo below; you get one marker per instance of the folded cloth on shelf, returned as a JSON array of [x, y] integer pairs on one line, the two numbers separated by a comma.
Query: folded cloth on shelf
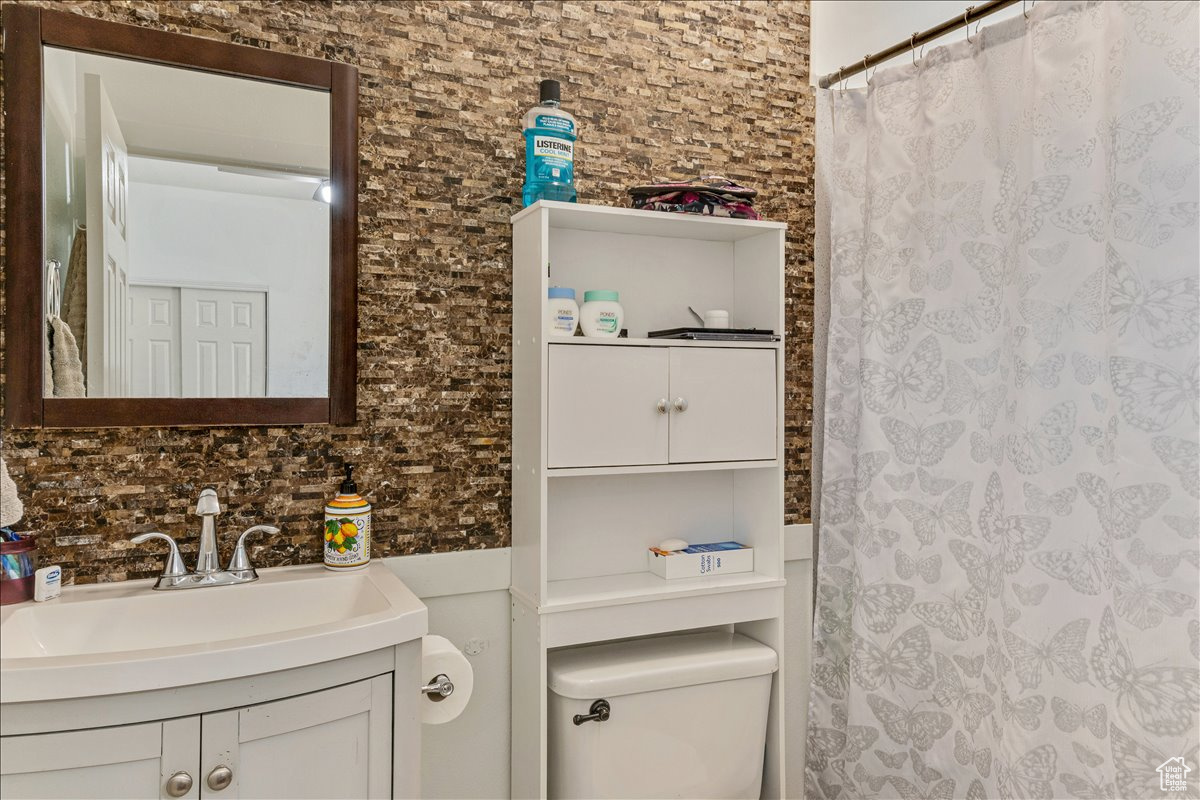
[[710, 195]]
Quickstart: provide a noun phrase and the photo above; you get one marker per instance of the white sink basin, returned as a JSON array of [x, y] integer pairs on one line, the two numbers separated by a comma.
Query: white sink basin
[[125, 637]]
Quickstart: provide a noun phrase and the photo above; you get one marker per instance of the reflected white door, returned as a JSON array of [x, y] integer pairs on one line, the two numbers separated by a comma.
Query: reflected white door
[[106, 186], [155, 368], [223, 336]]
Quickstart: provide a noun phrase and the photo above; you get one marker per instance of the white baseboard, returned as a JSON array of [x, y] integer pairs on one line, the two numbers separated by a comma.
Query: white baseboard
[[798, 542]]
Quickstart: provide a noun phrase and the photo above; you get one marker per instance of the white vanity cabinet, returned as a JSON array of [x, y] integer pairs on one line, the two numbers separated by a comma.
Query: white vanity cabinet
[[633, 405], [337, 742]]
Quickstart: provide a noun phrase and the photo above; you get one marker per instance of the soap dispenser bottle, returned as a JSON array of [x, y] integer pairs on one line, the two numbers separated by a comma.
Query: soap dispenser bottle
[[347, 528]]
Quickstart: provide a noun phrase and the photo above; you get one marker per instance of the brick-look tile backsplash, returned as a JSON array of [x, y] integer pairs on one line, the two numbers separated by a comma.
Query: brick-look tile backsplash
[[660, 89]]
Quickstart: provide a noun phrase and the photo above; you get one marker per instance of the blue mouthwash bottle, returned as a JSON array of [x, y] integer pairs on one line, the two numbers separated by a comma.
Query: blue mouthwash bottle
[[549, 149]]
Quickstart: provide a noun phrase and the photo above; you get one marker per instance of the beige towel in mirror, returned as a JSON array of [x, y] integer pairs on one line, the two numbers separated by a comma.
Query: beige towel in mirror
[[74, 304], [11, 509], [64, 356]]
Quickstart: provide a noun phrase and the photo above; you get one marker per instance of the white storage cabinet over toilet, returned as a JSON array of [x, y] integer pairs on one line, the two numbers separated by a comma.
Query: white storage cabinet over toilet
[[619, 444]]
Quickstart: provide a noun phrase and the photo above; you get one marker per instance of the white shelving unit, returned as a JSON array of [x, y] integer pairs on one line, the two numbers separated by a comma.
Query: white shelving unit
[[601, 472]]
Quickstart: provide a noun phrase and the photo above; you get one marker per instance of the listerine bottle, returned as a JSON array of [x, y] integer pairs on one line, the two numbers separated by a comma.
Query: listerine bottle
[[549, 149]]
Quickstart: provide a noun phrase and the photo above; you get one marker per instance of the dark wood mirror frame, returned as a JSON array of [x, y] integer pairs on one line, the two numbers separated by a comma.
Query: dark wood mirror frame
[[26, 30]]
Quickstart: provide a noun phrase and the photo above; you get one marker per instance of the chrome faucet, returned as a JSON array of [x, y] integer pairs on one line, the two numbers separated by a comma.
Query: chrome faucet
[[207, 509], [207, 572]]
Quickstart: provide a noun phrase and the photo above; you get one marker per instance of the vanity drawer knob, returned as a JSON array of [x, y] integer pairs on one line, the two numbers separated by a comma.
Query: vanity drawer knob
[[681, 404], [662, 406], [219, 778], [179, 784]]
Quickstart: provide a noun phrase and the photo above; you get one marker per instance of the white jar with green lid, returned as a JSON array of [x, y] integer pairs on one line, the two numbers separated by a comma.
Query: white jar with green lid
[[601, 316]]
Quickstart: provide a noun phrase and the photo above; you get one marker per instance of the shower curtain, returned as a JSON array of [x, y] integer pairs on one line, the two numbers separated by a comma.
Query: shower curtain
[[1008, 564]]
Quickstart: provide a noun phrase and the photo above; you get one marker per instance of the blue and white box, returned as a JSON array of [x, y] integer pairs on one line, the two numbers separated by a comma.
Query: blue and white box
[[699, 560]]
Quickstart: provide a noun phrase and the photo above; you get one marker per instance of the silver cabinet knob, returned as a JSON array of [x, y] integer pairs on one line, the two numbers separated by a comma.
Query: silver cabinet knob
[[179, 784], [219, 778], [663, 406], [680, 404]]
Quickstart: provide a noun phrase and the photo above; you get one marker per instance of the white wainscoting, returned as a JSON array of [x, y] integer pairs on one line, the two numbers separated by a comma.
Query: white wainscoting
[[468, 600]]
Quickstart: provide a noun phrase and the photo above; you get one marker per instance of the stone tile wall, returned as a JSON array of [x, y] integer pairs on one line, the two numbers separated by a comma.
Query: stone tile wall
[[660, 88]]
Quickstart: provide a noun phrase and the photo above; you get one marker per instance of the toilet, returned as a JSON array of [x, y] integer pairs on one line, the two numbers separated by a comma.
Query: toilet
[[686, 717]]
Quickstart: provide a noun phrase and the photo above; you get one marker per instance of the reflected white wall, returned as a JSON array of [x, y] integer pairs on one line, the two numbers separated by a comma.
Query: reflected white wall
[[187, 236]]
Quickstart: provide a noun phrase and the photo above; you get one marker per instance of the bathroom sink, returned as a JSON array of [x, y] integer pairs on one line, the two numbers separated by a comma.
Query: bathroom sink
[[125, 637]]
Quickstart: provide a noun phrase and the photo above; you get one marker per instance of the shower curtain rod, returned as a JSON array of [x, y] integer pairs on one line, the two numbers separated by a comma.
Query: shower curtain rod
[[972, 14]]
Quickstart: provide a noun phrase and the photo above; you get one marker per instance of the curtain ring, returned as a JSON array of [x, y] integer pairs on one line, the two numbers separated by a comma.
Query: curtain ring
[[967, 22], [841, 82], [1023, 9], [866, 75], [912, 46]]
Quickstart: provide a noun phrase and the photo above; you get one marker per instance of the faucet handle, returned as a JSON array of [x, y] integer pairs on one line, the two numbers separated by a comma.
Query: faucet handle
[[174, 566], [240, 562]]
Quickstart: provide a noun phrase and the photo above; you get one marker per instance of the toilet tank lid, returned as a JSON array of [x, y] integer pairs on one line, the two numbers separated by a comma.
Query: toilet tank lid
[[664, 662]]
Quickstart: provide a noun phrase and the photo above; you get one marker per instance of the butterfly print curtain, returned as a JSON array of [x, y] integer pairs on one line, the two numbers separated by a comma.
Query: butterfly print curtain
[[1008, 565]]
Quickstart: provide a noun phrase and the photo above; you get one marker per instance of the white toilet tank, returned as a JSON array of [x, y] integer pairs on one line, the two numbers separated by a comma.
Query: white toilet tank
[[687, 718]]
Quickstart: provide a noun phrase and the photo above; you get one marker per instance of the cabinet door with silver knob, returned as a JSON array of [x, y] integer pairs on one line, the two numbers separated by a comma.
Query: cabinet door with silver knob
[[331, 743], [604, 406], [179, 784], [724, 404], [220, 778], [151, 759]]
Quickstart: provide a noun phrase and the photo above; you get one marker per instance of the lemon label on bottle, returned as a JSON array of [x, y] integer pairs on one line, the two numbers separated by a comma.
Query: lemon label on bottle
[[347, 539]]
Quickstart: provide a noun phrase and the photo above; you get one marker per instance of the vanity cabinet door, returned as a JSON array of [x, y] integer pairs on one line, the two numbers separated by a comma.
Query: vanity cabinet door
[[604, 406], [332, 743], [724, 404], [123, 762]]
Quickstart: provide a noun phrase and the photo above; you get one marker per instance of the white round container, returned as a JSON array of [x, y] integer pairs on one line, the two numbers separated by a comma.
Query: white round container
[[562, 312], [601, 316], [716, 318]]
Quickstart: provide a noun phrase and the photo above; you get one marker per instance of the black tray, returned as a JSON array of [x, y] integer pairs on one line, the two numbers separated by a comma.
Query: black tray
[[716, 334]]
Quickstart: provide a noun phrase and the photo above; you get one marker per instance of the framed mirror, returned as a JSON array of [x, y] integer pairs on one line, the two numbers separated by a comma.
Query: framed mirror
[[183, 251]]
